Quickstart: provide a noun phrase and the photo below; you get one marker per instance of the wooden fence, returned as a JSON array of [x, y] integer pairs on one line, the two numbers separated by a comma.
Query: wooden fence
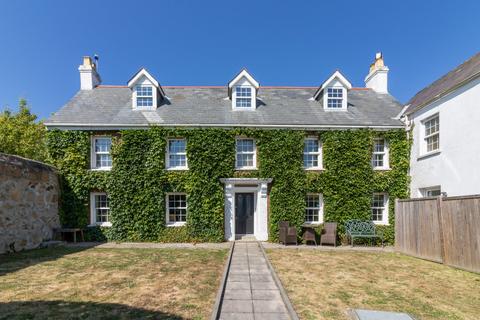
[[443, 229]]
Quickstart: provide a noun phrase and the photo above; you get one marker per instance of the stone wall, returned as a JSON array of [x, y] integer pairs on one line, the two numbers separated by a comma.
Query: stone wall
[[29, 193]]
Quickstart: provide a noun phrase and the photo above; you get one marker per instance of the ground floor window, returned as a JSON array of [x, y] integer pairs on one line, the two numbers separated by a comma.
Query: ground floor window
[[313, 208], [99, 209], [431, 192], [379, 208], [176, 204]]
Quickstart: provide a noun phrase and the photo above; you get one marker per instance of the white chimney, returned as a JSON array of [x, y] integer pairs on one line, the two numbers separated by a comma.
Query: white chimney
[[89, 78], [377, 78]]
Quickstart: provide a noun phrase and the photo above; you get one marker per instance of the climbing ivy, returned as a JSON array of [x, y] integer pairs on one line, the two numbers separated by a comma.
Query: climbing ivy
[[138, 182]]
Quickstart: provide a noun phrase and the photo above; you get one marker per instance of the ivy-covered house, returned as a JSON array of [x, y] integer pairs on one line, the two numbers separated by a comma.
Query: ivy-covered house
[[146, 162]]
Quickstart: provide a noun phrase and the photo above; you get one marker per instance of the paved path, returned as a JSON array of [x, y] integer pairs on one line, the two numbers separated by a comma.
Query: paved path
[[251, 293]]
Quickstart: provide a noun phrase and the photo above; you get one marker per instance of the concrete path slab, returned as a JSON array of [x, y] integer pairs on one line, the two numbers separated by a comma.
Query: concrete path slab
[[251, 291]]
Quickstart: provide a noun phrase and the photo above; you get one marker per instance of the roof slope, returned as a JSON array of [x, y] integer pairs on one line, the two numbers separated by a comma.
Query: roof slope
[[209, 106], [467, 71]]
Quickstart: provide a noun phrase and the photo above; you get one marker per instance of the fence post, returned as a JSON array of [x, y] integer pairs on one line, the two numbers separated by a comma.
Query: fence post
[[440, 226]]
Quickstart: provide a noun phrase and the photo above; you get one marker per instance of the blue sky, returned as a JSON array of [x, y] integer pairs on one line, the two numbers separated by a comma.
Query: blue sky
[[295, 43]]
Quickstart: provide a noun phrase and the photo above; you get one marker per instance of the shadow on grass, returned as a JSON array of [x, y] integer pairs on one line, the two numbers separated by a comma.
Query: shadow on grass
[[76, 310], [11, 262]]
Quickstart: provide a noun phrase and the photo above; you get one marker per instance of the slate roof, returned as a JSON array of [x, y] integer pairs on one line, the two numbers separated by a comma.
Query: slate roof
[[110, 106], [465, 72]]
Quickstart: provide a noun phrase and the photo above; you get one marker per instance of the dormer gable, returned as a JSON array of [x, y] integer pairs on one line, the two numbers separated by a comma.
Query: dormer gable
[[334, 92], [242, 90], [146, 91]]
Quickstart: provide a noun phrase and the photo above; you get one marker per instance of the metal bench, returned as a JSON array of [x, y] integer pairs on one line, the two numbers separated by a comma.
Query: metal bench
[[362, 229]]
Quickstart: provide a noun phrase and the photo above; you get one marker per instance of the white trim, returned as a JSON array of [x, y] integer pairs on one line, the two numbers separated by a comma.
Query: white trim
[[320, 209], [167, 156], [238, 185], [319, 154], [385, 208], [423, 137], [139, 74], [123, 126], [93, 213], [386, 155], [336, 75], [167, 215], [344, 99], [240, 75], [254, 167], [93, 153]]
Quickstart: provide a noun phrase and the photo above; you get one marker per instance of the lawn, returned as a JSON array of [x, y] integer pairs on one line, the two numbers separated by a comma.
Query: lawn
[[324, 284], [67, 283]]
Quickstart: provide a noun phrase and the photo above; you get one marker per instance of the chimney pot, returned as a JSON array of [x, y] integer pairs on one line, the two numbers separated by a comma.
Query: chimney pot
[[89, 78], [377, 78]]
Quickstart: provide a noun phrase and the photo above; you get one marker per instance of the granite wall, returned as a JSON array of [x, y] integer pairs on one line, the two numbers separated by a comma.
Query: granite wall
[[29, 193]]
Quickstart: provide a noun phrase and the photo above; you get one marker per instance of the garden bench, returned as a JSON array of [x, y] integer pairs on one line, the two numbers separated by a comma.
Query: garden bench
[[362, 229], [63, 231]]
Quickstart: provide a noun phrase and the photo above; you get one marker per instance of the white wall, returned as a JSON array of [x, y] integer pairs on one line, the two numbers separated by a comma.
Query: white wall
[[456, 168]]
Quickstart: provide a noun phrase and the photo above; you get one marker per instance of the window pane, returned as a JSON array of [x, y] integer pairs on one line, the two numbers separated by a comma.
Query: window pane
[[177, 208], [102, 208], [312, 210]]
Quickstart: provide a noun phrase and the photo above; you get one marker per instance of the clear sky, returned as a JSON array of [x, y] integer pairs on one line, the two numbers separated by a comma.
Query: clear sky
[[295, 43]]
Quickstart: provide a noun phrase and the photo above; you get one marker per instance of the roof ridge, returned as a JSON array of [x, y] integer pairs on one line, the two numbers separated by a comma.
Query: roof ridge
[[221, 87]]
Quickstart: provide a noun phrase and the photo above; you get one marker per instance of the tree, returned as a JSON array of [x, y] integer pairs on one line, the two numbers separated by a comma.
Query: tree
[[21, 135]]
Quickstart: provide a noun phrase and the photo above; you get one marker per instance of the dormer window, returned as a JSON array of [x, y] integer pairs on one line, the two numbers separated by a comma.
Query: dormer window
[[146, 91], [144, 96], [334, 98], [243, 97], [334, 92], [242, 90]]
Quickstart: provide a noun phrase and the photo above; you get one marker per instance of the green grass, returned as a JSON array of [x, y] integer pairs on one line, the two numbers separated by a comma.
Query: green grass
[[325, 284], [68, 283]]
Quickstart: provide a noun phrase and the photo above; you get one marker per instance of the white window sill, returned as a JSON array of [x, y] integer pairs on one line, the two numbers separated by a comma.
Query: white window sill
[[312, 224], [429, 154], [381, 169], [335, 109], [243, 109], [177, 168], [101, 169], [100, 224], [380, 223], [245, 168], [176, 224], [313, 169]]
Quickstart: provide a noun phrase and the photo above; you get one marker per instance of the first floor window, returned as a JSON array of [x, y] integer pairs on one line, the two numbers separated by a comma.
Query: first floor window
[[380, 154], [245, 154], [100, 209], [144, 96], [243, 96], [334, 98], [313, 208], [177, 154], [311, 154], [379, 208], [101, 158], [432, 134], [176, 208]]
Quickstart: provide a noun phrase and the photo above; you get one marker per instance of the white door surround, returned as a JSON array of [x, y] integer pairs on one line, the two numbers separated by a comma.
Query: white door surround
[[240, 185]]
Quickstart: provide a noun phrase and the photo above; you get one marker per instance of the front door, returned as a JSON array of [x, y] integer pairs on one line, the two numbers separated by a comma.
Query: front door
[[244, 207]]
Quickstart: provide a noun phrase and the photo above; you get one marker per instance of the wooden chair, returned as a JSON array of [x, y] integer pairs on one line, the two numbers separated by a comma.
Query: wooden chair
[[287, 234], [329, 234]]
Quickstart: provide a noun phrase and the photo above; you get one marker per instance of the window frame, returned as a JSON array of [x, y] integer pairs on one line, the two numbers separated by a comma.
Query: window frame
[[320, 209], [168, 223], [145, 83], [385, 153], [318, 153], [168, 165], [93, 211], [254, 167], [423, 142], [424, 191], [385, 213], [93, 153], [343, 98], [235, 97]]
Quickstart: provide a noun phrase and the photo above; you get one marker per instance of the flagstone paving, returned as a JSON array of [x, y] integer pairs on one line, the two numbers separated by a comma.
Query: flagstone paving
[[250, 292]]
